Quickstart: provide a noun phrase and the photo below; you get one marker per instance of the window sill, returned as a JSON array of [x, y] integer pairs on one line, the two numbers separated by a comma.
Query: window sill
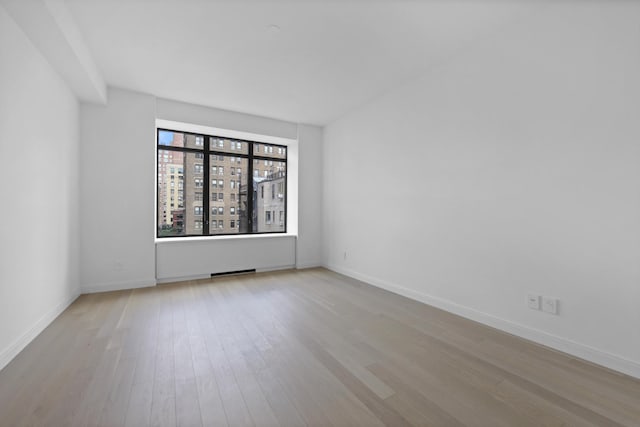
[[227, 237]]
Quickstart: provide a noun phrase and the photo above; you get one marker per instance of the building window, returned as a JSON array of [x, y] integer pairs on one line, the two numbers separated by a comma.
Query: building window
[[197, 162]]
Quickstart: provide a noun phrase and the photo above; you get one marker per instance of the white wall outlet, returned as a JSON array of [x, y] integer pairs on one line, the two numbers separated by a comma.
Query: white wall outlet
[[533, 301], [344, 255], [550, 305]]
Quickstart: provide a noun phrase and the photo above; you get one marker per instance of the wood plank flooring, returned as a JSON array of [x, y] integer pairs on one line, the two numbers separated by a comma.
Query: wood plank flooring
[[295, 348]]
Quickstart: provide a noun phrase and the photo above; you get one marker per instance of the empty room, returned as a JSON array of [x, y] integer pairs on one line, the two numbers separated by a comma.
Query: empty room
[[320, 213]]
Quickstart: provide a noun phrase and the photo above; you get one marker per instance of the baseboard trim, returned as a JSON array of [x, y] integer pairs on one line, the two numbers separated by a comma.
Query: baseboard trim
[[565, 345], [165, 280], [309, 264], [7, 355], [117, 286]]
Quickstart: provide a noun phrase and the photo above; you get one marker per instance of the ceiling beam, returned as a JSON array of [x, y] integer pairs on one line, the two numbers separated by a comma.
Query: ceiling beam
[[51, 28]]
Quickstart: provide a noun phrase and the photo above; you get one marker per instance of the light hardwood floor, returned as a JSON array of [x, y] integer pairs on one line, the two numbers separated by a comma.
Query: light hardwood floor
[[295, 348]]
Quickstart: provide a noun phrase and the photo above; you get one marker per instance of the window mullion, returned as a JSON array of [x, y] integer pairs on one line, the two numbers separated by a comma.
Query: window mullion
[[205, 188], [250, 190]]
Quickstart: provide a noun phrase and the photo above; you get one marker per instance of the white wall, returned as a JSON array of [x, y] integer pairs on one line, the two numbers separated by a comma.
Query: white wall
[[38, 186], [514, 167], [117, 192], [198, 258], [309, 245]]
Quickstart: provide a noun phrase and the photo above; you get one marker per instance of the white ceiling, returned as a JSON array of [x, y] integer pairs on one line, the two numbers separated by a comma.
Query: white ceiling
[[328, 57]]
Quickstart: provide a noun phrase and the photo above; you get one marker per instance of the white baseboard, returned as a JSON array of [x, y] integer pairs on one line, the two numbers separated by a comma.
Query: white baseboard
[[18, 345], [267, 269], [308, 264], [165, 280], [117, 286], [565, 345]]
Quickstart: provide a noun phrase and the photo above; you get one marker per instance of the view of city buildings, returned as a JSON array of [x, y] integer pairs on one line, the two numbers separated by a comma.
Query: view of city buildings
[[231, 194]]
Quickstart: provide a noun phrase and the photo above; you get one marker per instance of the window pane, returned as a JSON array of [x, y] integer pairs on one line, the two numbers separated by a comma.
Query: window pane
[[179, 202], [179, 139], [269, 198], [228, 204], [267, 150], [228, 145]]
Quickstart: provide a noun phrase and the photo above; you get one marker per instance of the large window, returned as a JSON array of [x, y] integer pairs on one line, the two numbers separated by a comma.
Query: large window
[[232, 174]]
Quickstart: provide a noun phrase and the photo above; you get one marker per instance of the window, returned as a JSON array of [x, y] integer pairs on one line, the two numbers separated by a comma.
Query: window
[[197, 162]]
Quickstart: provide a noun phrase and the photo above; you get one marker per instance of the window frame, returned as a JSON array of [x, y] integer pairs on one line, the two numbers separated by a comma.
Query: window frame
[[207, 150]]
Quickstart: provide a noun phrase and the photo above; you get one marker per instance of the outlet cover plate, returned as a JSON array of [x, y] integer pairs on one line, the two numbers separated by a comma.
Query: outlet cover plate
[[533, 301], [550, 305]]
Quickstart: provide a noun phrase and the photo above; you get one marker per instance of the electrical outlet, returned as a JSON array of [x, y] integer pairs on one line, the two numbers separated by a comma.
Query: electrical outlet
[[550, 305], [345, 255], [533, 301]]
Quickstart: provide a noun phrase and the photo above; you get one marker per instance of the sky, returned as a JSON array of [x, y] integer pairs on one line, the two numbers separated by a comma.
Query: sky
[[165, 137]]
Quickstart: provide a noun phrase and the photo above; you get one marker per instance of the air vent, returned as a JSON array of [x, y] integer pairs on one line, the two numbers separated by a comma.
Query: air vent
[[232, 273]]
